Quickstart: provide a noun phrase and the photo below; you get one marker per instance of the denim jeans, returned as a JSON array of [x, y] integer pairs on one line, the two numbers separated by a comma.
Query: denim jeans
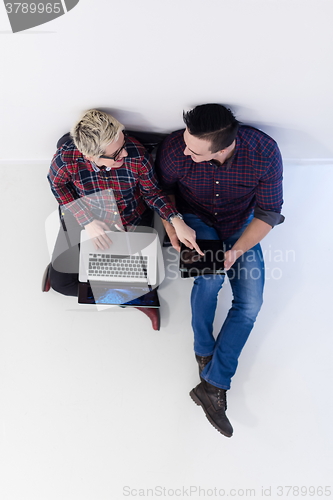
[[246, 278]]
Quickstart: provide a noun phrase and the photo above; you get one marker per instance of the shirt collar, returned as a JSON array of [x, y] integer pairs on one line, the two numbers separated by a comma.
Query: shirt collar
[[227, 165], [98, 169]]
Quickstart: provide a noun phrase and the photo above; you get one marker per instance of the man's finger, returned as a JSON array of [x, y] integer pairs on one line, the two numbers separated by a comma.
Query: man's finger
[[188, 244], [197, 248], [193, 244]]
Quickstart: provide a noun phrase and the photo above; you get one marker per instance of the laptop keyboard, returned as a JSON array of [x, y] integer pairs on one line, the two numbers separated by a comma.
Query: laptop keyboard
[[117, 266]]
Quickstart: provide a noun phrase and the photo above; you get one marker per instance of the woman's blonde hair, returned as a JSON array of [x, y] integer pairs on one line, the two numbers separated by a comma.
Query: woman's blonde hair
[[94, 132]]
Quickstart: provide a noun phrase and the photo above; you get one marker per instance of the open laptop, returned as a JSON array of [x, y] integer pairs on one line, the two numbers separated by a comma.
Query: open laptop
[[130, 260], [192, 264], [106, 294]]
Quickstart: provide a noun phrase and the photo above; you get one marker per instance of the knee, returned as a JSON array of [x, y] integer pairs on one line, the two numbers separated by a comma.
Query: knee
[[208, 283], [251, 308], [256, 306], [64, 283]]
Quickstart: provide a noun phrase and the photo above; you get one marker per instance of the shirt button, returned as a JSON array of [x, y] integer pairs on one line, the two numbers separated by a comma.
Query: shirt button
[[115, 213], [215, 213], [217, 194], [217, 182]]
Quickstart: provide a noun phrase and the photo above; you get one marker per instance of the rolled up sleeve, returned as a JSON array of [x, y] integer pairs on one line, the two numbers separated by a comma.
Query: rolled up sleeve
[[269, 193]]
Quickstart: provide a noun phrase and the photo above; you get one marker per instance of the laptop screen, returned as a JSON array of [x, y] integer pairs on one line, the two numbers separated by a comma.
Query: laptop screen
[[107, 294]]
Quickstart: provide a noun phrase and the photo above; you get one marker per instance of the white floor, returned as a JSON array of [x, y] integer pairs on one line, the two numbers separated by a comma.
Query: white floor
[[95, 405]]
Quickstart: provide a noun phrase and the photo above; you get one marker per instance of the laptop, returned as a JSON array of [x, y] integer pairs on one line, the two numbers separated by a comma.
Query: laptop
[[106, 294], [192, 264], [130, 260]]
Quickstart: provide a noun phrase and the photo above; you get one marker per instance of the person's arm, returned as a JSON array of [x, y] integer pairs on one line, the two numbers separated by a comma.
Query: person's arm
[[169, 229], [180, 231], [151, 191], [60, 181], [63, 189], [168, 177], [267, 212], [156, 199], [96, 230], [253, 234], [61, 185]]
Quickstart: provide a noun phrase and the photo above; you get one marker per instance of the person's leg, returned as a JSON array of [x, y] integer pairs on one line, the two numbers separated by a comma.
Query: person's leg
[[153, 313], [247, 282], [64, 272], [204, 294], [64, 283], [203, 303], [247, 278]]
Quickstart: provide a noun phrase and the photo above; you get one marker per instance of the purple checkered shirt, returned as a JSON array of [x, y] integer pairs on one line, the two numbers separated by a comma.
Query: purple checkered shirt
[[224, 196]]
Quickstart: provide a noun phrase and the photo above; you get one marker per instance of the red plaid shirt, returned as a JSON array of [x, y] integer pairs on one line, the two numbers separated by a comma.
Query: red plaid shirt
[[134, 186]]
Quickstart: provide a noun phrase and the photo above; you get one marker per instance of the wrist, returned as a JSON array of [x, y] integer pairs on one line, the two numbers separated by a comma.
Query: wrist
[[176, 219], [166, 223], [238, 251]]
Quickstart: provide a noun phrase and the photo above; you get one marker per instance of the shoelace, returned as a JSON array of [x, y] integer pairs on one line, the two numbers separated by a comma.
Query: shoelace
[[221, 398], [203, 361]]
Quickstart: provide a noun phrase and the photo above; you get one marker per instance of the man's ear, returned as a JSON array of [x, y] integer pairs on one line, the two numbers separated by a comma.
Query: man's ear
[[227, 149]]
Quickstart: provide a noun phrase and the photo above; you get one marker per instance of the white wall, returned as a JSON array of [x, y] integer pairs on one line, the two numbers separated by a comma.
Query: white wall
[[270, 60], [75, 423]]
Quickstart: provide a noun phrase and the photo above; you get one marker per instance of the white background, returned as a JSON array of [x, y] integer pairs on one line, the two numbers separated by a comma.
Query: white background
[[269, 60], [90, 401]]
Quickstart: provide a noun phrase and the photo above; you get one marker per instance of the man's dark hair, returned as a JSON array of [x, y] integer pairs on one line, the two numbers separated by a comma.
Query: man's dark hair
[[214, 123]]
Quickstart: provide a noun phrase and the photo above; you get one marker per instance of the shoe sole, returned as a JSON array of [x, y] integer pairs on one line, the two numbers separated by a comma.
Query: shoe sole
[[199, 403]]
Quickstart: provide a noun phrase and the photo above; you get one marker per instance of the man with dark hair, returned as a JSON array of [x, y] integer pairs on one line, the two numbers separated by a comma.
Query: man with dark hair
[[226, 179], [213, 123]]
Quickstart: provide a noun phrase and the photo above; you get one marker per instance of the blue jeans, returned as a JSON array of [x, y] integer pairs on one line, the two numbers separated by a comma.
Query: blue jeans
[[246, 278]]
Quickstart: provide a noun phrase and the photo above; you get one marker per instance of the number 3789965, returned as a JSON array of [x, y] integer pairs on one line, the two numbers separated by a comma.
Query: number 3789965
[[33, 8]]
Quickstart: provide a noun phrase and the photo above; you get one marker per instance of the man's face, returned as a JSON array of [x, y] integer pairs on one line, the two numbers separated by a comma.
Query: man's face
[[116, 150], [198, 149]]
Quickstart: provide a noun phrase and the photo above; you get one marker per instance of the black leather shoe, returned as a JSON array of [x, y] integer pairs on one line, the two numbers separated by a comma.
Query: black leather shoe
[[202, 362], [214, 403]]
